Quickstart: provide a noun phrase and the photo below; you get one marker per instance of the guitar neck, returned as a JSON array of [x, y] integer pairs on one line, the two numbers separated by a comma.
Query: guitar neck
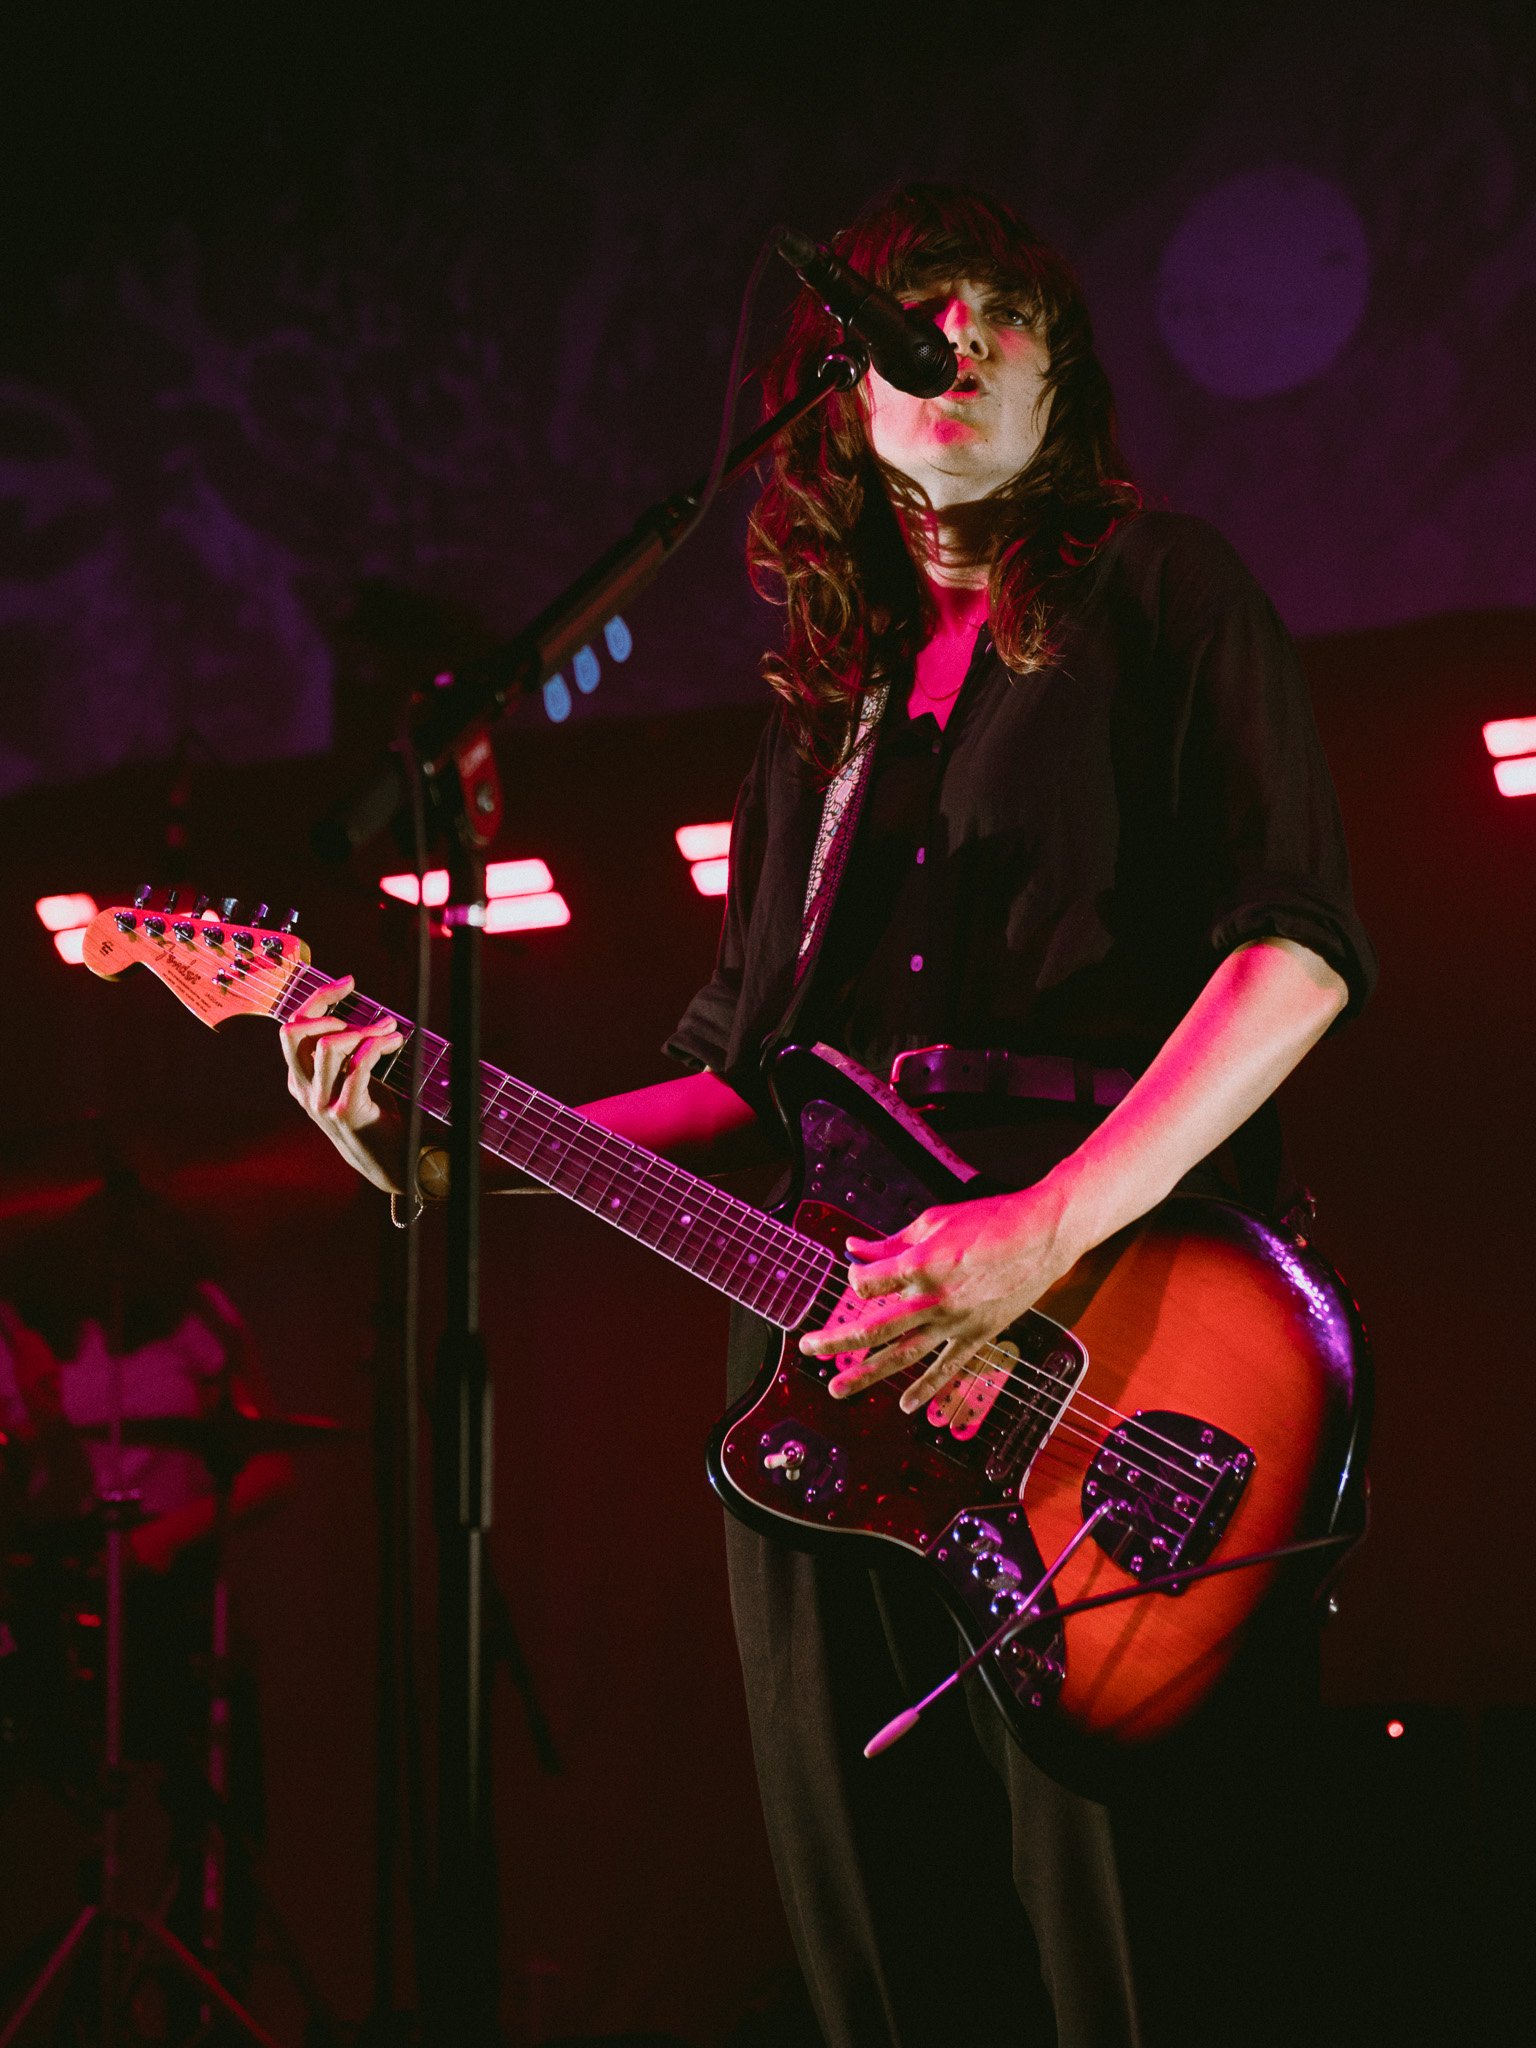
[[727, 1243]]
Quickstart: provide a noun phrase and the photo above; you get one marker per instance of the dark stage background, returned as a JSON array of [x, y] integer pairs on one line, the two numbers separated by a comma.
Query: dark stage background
[[329, 353]]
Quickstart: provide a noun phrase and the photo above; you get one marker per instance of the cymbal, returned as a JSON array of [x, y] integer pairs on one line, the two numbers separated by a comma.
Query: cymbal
[[225, 1434]]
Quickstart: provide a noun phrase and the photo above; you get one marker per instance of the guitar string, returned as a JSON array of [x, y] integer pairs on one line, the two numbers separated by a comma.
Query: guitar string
[[1186, 1481], [810, 1263], [1061, 1418], [813, 1262], [807, 1263]]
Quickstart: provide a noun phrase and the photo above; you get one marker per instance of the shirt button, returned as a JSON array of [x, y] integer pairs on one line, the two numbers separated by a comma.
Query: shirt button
[[922, 855], [916, 963]]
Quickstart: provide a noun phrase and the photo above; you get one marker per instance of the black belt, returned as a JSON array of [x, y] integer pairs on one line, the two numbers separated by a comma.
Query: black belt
[[934, 1071]]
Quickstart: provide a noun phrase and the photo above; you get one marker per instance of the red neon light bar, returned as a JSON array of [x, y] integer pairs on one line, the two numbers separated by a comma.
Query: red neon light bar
[[63, 913], [527, 913], [711, 877], [708, 842], [1516, 778], [1505, 736], [707, 848], [502, 878]]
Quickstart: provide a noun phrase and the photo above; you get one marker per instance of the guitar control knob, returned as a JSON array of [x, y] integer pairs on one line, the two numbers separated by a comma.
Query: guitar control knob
[[972, 1533], [788, 1459], [1005, 1604], [996, 1572]]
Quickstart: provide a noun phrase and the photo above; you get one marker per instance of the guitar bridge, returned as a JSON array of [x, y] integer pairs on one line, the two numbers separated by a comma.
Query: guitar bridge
[[1172, 1484]]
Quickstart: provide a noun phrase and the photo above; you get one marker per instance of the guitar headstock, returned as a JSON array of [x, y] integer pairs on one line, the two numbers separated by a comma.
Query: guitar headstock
[[219, 964]]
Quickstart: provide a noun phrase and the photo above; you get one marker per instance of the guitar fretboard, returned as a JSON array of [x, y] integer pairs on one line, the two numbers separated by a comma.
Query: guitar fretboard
[[728, 1244]]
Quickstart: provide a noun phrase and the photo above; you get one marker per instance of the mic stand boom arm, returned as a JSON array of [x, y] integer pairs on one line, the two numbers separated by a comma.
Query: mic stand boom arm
[[460, 1975], [481, 690]]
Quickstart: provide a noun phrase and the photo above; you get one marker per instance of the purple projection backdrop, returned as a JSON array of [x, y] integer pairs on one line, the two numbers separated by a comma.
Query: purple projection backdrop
[[306, 329]]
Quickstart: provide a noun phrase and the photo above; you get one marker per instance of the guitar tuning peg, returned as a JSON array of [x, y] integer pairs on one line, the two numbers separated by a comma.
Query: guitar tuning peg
[[172, 898], [143, 896], [259, 914], [230, 906], [289, 921], [200, 906]]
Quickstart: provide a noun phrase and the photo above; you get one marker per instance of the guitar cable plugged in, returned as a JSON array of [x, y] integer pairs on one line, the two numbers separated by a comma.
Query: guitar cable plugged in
[[904, 1722]]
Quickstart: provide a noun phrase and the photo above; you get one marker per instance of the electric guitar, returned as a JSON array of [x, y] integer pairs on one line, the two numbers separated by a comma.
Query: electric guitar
[[1192, 1393]]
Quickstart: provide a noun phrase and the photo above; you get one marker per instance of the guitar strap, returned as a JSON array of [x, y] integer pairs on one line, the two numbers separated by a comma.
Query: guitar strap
[[834, 834], [829, 857]]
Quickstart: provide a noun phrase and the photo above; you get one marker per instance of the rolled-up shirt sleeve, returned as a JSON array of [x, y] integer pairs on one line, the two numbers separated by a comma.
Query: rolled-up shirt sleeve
[[1256, 800]]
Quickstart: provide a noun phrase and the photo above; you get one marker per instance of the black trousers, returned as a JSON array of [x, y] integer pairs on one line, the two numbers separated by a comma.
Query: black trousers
[[948, 1894]]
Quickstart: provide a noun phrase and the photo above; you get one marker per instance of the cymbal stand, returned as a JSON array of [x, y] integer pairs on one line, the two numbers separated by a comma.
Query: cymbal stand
[[225, 1460], [115, 1927]]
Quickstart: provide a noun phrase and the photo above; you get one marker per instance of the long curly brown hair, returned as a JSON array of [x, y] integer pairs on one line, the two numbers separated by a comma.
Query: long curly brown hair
[[824, 541]]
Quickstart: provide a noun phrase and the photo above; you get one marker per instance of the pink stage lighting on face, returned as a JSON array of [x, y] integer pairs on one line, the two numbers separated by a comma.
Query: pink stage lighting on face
[[64, 913], [1516, 778], [71, 945], [706, 848], [521, 894]]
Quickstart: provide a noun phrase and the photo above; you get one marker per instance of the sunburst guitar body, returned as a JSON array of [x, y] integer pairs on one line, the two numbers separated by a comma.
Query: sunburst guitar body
[[1193, 1393]]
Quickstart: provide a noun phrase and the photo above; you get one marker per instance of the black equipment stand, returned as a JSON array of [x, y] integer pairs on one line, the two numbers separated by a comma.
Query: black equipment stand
[[120, 1932], [453, 755]]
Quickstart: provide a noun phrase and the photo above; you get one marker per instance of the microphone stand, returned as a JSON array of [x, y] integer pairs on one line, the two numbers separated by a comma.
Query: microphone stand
[[452, 752]]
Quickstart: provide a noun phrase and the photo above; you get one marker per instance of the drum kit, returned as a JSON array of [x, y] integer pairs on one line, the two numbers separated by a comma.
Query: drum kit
[[65, 1660]]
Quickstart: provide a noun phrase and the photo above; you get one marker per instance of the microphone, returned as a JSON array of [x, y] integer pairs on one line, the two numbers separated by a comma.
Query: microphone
[[906, 349]]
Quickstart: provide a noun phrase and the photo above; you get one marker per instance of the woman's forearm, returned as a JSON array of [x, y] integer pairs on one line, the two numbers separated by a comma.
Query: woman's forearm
[[1262, 1010], [697, 1120]]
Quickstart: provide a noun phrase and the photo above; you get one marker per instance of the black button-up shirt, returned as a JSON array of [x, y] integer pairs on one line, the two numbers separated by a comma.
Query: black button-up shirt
[[1061, 869]]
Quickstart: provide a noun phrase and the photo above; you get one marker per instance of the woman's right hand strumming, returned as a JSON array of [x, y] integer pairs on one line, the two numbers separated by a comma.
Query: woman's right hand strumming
[[329, 1063]]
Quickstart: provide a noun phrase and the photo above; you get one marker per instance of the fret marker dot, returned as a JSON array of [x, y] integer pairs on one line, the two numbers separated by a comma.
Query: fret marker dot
[[616, 1203], [686, 1221]]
